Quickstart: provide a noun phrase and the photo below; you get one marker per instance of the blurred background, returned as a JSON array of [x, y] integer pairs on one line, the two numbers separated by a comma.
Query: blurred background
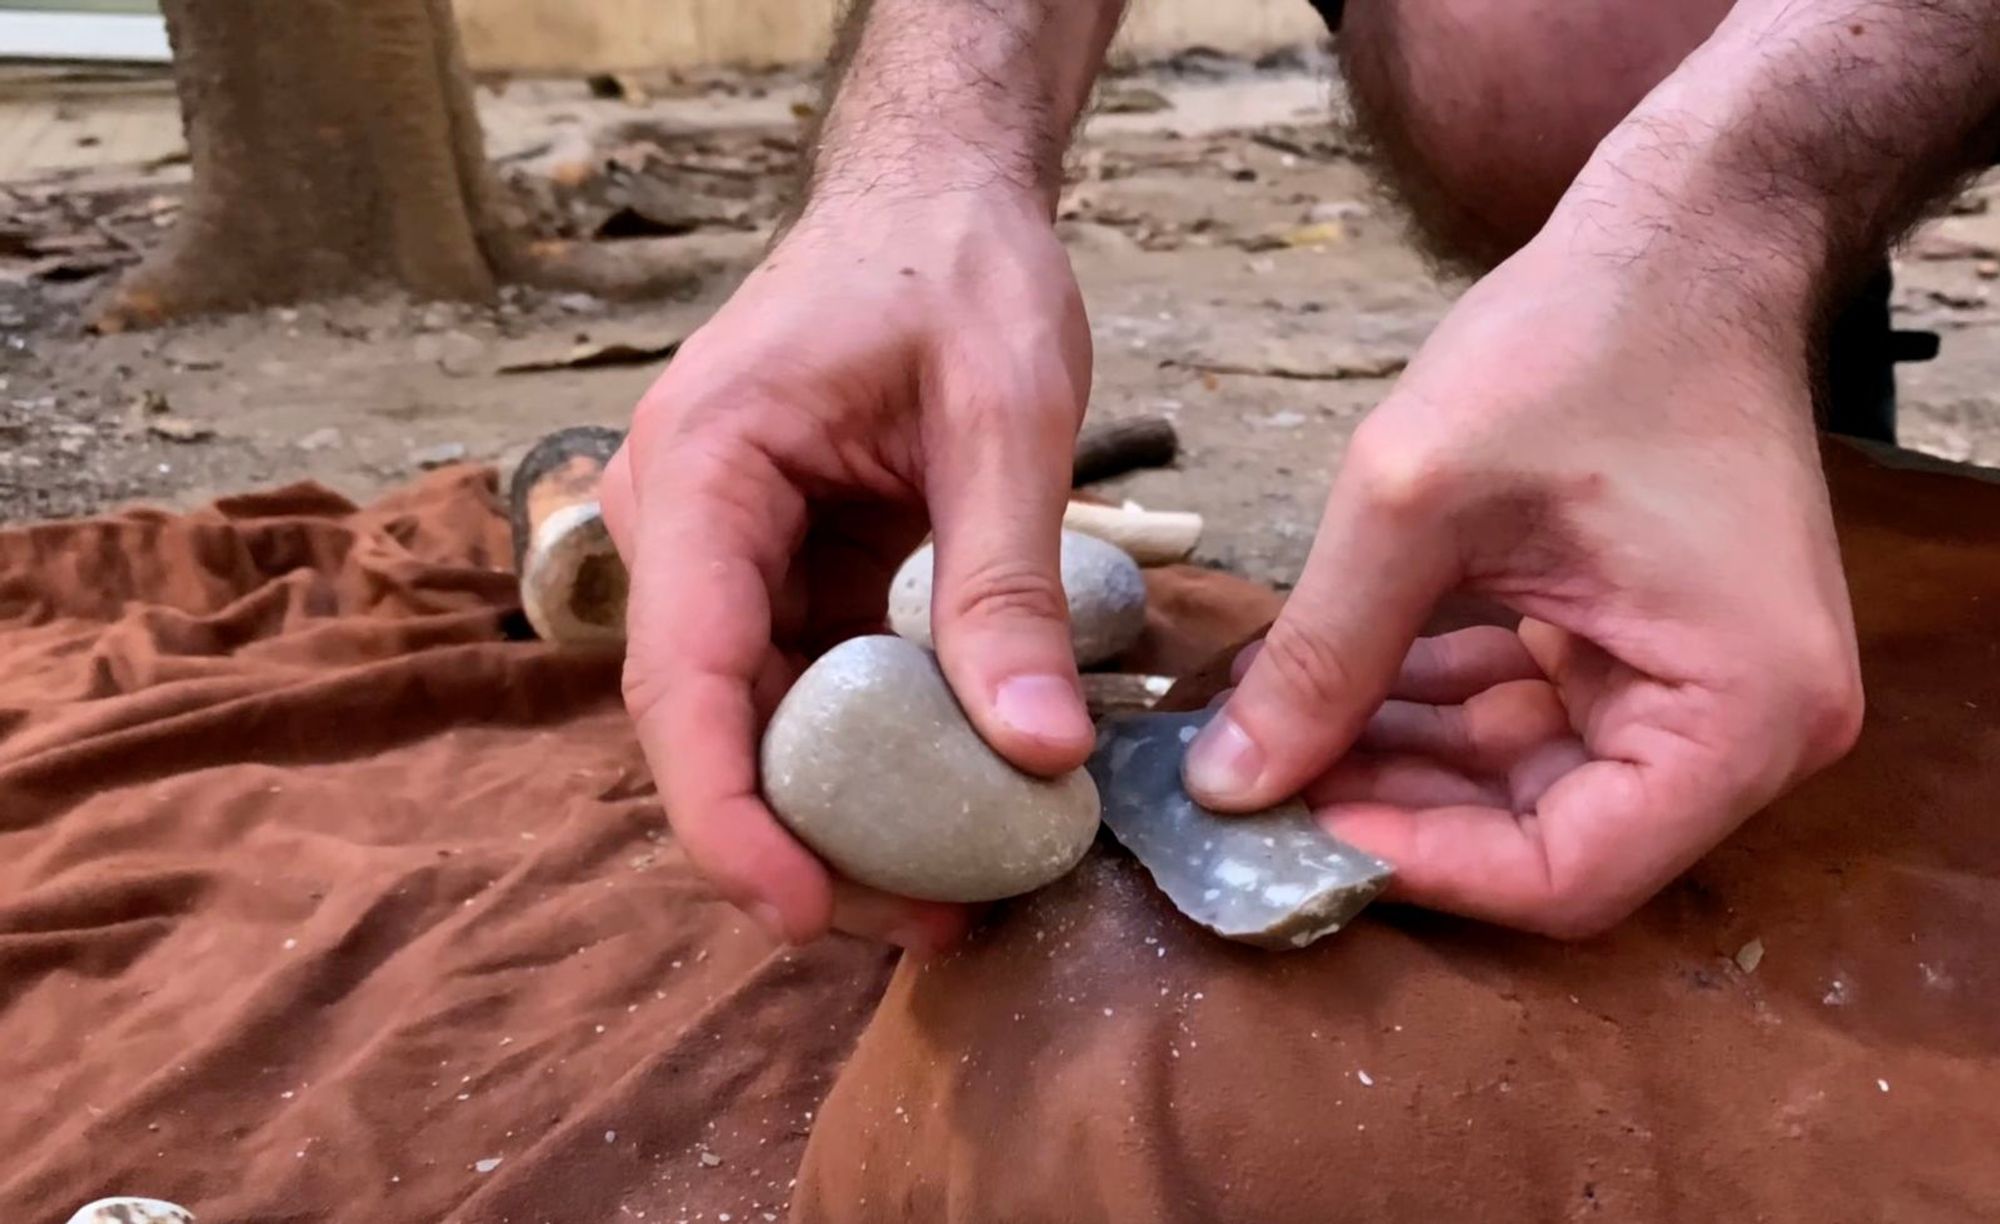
[[1243, 277]]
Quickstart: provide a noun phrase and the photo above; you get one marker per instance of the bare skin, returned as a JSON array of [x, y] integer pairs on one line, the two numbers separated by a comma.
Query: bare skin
[[1611, 433]]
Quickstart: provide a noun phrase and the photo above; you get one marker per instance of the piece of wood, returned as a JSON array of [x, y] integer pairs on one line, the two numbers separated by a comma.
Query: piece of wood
[[1152, 537], [1113, 448], [1122, 692], [573, 582]]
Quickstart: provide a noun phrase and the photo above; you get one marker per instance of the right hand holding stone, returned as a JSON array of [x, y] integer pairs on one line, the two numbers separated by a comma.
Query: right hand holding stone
[[882, 368]]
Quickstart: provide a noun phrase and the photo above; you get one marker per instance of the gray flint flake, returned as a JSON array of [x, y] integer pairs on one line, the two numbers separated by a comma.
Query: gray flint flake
[[1272, 878]]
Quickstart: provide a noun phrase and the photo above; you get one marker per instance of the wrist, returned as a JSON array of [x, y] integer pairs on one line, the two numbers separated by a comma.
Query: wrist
[[943, 97], [937, 212]]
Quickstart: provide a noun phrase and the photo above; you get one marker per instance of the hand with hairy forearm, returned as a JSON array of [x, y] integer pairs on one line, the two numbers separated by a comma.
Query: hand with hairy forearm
[[913, 352], [1612, 435]]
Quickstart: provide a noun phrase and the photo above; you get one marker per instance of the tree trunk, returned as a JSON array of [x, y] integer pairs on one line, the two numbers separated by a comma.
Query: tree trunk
[[334, 147]]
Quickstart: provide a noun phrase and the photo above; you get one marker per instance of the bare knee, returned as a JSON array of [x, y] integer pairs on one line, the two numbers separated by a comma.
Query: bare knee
[[1483, 111]]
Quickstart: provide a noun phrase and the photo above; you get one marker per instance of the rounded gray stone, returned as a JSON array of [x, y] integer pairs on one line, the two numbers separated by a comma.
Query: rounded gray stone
[[1103, 584], [871, 762], [131, 1211]]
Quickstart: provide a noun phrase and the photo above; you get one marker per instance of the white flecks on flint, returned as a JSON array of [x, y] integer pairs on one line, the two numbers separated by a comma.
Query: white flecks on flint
[[1284, 894], [1237, 874]]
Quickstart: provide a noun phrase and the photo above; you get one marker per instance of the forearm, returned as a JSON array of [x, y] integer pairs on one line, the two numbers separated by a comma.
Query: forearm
[[935, 96], [1794, 145]]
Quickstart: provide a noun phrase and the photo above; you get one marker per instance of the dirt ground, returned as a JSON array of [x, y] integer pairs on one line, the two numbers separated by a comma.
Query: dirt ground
[[1218, 220]]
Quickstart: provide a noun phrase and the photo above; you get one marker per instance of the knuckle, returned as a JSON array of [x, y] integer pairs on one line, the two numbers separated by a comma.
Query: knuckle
[[1575, 923], [1575, 901], [1311, 667], [1032, 398], [642, 686], [1575, 911], [1000, 589], [1825, 692], [1398, 476], [1834, 708]]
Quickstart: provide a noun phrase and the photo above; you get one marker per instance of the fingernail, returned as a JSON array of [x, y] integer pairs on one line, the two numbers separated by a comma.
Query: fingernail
[[1223, 760], [1043, 708], [766, 915]]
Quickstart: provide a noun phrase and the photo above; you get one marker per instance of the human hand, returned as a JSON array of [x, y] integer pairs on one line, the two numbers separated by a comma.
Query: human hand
[[1641, 482], [883, 365]]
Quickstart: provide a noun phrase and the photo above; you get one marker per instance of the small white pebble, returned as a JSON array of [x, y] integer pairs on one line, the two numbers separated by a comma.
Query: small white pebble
[[600, 1028], [487, 1165], [1882, 1084], [611, 1136], [286, 1095], [290, 944], [1366, 1079], [464, 1096]]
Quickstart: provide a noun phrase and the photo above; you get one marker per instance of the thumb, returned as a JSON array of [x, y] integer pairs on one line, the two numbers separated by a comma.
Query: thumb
[[998, 612], [614, 499], [1375, 572]]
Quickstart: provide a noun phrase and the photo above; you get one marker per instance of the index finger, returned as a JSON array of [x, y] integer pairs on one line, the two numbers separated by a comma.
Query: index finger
[[714, 527], [1597, 844]]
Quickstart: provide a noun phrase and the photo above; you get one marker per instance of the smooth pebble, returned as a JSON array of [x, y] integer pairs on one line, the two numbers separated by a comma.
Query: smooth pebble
[[1104, 586], [872, 763]]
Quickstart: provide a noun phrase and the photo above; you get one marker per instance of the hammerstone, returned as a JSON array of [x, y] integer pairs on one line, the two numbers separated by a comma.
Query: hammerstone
[[871, 762], [1104, 587]]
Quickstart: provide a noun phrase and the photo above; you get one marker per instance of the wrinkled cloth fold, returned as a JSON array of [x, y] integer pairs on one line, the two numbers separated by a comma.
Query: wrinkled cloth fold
[[326, 897]]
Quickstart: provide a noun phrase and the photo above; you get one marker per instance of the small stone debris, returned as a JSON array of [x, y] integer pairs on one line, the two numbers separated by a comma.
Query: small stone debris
[[709, 1160], [611, 1136], [1367, 1080], [1133, 100], [487, 1165], [179, 429], [1750, 955], [430, 457], [1882, 1084]]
